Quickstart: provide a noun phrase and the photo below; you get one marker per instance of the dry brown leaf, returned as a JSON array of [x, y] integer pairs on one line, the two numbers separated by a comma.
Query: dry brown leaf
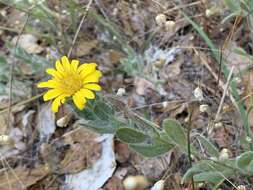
[[97, 175], [21, 178], [222, 136], [234, 59], [141, 85], [29, 43], [84, 47], [113, 184], [122, 152], [173, 70], [154, 168], [84, 151], [3, 123]]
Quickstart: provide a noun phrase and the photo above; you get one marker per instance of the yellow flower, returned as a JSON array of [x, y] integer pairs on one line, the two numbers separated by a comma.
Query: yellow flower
[[71, 80]]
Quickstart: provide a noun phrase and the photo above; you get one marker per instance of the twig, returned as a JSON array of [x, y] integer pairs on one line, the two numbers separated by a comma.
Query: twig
[[101, 8], [183, 6], [79, 27], [22, 102], [224, 94], [221, 83], [219, 72], [11, 71]]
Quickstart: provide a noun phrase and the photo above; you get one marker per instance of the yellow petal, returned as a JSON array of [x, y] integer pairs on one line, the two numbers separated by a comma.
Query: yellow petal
[[92, 77], [74, 65], [57, 102], [48, 84], [54, 73], [86, 69], [65, 63], [92, 87], [87, 93], [79, 100], [59, 67], [51, 94]]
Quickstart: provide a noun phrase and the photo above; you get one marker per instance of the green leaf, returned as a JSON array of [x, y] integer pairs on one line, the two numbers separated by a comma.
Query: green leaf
[[244, 162], [233, 5], [201, 166], [149, 127], [153, 150], [2, 61], [213, 177], [103, 110], [242, 52], [175, 132], [210, 148], [129, 135], [210, 172], [99, 126]]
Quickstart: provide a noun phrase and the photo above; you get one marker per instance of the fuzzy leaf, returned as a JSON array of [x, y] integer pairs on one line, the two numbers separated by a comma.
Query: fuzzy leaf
[[175, 132], [156, 149], [129, 135], [210, 148], [245, 162]]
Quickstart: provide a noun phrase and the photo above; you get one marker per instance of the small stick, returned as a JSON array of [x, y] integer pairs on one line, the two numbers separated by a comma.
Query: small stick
[[219, 73], [79, 28], [224, 94], [12, 70], [221, 84]]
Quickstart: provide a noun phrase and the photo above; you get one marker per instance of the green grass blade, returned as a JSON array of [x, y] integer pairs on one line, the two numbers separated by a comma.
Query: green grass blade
[[225, 71]]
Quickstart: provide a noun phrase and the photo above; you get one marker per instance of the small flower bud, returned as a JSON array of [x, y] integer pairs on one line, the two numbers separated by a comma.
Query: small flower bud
[[158, 185], [121, 92], [218, 125], [224, 154], [204, 108], [170, 25], [241, 187], [248, 139], [160, 19], [198, 94], [212, 11], [213, 158], [165, 104]]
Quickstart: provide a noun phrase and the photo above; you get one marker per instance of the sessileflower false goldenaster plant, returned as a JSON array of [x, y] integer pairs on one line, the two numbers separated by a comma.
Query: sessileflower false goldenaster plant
[[71, 80]]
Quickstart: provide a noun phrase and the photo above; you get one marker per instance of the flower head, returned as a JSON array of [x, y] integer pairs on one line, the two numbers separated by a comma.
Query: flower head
[[71, 80]]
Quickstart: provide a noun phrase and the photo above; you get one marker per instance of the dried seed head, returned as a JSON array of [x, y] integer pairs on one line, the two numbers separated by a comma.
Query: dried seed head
[[208, 12], [170, 25], [160, 19], [241, 187], [159, 63], [224, 154], [200, 185], [218, 125], [63, 121], [135, 183], [6, 140]]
